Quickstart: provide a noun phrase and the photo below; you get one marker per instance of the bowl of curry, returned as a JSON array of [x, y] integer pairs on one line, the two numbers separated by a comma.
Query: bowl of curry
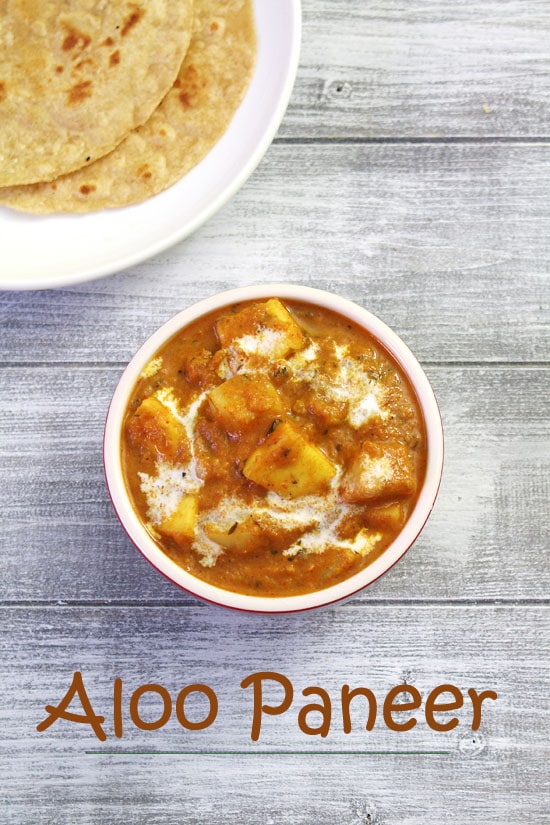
[[273, 449]]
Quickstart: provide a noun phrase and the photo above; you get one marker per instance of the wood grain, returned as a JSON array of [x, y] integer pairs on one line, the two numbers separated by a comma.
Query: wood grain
[[482, 541], [380, 70], [492, 773], [410, 174], [435, 239]]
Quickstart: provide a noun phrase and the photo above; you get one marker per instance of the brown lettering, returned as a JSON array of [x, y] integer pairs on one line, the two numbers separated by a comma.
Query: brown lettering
[[89, 717], [432, 706], [477, 699], [325, 709], [256, 680], [347, 696], [134, 707], [117, 708], [180, 707], [390, 706]]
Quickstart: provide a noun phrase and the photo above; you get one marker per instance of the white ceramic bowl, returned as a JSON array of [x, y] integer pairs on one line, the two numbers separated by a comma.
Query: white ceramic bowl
[[258, 604]]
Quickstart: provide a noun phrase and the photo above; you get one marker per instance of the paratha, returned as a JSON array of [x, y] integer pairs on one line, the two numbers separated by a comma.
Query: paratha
[[186, 125], [76, 76]]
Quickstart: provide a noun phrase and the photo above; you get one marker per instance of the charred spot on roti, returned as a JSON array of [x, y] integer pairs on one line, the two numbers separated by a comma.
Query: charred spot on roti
[[74, 38], [191, 85], [87, 189], [131, 21], [78, 93], [114, 58], [82, 64], [3, 91], [144, 172]]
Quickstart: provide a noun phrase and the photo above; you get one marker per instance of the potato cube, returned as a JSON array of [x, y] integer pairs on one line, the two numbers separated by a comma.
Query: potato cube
[[245, 537], [243, 403], [180, 525], [381, 471], [154, 426], [289, 464], [265, 329]]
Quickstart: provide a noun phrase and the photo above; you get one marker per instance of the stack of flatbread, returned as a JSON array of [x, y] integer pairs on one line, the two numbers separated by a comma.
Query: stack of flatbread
[[104, 103]]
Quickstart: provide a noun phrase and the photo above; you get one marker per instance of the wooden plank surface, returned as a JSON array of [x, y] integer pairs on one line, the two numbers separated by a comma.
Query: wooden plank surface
[[390, 69], [435, 239], [481, 541], [495, 772], [410, 174]]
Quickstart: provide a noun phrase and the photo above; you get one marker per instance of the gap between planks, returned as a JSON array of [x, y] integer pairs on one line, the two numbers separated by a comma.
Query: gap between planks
[[120, 365], [483, 603], [416, 141]]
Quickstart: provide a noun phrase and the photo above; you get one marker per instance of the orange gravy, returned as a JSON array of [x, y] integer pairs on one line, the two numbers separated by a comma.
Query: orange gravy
[[273, 448]]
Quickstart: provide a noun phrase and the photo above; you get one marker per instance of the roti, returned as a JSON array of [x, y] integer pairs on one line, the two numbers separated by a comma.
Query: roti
[[77, 77], [186, 125]]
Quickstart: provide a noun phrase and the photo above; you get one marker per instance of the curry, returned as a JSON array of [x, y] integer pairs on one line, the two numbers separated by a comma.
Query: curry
[[273, 448]]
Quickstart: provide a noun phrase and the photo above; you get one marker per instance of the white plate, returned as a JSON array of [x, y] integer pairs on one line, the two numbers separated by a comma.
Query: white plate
[[39, 252]]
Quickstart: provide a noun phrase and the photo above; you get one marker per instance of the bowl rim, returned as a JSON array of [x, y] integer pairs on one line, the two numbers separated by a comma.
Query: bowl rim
[[212, 594]]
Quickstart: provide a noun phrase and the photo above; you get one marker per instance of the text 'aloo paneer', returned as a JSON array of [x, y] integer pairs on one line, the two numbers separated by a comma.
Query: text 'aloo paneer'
[[289, 464]]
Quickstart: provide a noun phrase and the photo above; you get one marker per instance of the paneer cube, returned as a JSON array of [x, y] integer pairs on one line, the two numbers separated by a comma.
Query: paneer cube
[[289, 464], [387, 517], [153, 426], [265, 329], [244, 403], [180, 524], [380, 472], [295, 339]]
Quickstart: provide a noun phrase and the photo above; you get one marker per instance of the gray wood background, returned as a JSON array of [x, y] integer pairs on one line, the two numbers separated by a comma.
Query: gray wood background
[[411, 174]]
